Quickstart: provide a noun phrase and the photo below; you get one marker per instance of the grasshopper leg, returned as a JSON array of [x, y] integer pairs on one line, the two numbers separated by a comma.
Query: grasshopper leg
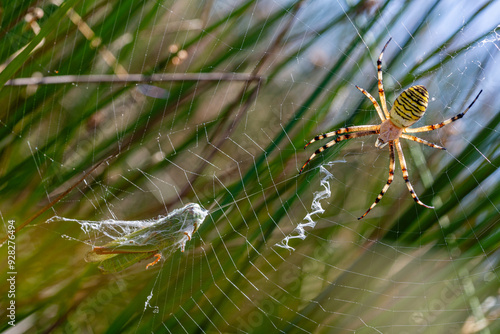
[[158, 257]]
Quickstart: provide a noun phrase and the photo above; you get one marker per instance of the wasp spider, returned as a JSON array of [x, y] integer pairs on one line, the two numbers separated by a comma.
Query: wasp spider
[[408, 108]]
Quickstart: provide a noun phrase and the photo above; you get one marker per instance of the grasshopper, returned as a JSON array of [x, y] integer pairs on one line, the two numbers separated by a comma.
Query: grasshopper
[[163, 235]]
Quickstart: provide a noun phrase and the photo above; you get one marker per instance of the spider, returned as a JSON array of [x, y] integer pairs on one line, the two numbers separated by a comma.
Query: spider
[[408, 108]]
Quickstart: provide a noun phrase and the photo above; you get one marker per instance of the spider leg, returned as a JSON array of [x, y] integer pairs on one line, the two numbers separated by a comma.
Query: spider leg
[[336, 140], [343, 130], [375, 103], [443, 123], [380, 83], [389, 180], [404, 169], [422, 141]]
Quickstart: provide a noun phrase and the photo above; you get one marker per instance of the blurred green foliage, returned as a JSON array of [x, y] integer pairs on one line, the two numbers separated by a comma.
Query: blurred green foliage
[[235, 148]]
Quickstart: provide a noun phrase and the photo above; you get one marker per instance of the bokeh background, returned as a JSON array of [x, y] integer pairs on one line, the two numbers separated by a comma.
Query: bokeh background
[[235, 147]]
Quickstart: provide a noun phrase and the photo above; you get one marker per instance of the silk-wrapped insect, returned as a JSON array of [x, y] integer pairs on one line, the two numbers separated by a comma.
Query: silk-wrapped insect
[[158, 238]]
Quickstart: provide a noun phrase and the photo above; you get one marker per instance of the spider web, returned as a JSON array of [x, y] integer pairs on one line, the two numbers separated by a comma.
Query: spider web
[[247, 85]]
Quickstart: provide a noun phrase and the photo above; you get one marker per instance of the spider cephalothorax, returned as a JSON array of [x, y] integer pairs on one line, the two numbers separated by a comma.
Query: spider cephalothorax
[[408, 108]]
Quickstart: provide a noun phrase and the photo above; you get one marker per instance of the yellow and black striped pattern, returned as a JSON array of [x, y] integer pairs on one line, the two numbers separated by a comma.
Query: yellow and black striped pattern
[[409, 107]]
